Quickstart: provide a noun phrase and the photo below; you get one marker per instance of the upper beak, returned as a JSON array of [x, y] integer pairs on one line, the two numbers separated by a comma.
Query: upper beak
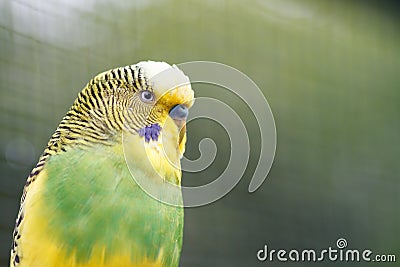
[[179, 114]]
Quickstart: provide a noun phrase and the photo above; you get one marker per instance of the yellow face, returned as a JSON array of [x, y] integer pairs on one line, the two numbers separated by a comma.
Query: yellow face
[[166, 109], [174, 104], [159, 111], [159, 104], [162, 88], [165, 93]]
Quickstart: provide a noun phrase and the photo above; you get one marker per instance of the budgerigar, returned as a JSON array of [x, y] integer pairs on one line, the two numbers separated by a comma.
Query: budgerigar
[[81, 205]]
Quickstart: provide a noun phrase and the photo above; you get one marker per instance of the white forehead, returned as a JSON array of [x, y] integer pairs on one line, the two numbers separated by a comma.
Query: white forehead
[[163, 76], [152, 68]]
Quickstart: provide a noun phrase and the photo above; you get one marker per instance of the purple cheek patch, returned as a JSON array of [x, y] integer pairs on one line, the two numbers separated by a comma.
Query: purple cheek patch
[[150, 132]]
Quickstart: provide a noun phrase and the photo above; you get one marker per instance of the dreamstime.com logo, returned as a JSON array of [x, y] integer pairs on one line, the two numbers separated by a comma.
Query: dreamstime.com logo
[[211, 108], [340, 253]]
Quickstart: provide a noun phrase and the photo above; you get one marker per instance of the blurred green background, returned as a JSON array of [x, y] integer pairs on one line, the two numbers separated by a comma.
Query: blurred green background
[[329, 69]]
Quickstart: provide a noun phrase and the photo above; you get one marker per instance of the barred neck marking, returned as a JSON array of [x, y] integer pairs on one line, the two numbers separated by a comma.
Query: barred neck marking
[[99, 115]]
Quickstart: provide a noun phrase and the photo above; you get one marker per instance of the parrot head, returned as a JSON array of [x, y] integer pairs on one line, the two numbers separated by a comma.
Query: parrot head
[[139, 99], [167, 94]]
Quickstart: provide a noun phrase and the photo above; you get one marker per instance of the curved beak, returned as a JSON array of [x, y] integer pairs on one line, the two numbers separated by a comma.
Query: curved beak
[[179, 114]]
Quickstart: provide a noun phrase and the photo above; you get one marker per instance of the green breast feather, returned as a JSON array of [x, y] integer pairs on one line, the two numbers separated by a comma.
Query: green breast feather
[[92, 200]]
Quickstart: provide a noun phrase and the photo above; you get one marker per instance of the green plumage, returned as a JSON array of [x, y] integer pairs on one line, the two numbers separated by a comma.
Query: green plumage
[[92, 199]]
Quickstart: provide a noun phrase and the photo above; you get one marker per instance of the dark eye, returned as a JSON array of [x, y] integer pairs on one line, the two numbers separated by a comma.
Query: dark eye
[[147, 96]]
